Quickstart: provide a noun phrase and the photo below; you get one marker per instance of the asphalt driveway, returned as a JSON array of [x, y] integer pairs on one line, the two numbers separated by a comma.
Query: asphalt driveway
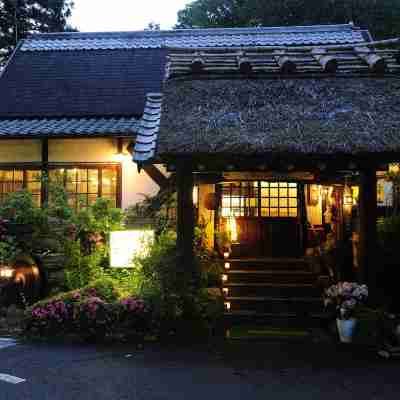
[[270, 370]]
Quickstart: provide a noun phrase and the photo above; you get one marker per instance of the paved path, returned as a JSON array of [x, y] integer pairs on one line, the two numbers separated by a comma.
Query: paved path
[[7, 342], [268, 371]]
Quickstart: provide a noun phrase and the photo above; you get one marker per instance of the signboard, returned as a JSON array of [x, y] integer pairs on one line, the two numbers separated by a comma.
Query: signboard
[[126, 245]]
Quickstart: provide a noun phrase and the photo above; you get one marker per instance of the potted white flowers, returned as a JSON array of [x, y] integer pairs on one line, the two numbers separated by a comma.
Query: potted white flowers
[[347, 297]]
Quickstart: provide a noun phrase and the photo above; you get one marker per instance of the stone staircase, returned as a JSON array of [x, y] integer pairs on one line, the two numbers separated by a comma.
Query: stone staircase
[[279, 292]]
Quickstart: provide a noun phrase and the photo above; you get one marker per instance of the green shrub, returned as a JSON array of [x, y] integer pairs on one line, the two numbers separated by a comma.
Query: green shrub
[[107, 288]]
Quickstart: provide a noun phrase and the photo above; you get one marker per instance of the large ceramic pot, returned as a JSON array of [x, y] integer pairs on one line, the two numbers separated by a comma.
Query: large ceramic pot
[[346, 329]]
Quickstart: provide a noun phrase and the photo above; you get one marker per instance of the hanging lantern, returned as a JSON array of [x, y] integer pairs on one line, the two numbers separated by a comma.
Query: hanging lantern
[[211, 201]]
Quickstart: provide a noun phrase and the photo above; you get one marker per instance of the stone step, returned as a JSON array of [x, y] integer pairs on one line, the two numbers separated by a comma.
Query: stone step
[[271, 289], [278, 305], [269, 276], [284, 320], [291, 264]]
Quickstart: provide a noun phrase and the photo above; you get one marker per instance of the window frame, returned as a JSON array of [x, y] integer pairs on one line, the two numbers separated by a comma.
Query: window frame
[[246, 191], [24, 167]]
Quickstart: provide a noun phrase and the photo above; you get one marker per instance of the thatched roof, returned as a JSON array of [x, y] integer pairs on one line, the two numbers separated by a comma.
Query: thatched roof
[[264, 116]]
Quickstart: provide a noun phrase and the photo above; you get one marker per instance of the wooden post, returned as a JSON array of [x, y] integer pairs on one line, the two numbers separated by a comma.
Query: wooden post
[[45, 172], [368, 233], [185, 220], [303, 218]]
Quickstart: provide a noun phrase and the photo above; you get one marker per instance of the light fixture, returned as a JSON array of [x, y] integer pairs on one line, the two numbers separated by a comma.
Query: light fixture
[[232, 229], [227, 265], [227, 306], [6, 273], [226, 254], [225, 291], [195, 195], [224, 277], [347, 194], [121, 154]]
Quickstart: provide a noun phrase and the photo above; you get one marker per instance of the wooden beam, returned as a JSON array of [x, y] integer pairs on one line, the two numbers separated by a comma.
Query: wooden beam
[[376, 63], [328, 63], [45, 172], [156, 175], [185, 222], [368, 231]]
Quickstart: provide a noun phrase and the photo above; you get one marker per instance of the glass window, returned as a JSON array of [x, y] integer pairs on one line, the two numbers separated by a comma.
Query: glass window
[[265, 199], [85, 185], [13, 180]]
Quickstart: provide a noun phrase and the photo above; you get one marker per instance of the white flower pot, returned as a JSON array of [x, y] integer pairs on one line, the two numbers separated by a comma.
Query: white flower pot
[[346, 329]]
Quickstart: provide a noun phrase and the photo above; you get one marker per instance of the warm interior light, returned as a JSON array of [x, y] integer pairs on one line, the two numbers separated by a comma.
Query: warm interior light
[[227, 305], [126, 245], [195, 195], [6, 272], [227, 265], [232, 229], [226, 254], [224, 278], [225, 291], [347, 196]]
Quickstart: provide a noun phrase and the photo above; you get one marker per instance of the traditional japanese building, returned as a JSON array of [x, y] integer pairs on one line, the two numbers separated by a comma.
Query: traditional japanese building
[[280, 131]]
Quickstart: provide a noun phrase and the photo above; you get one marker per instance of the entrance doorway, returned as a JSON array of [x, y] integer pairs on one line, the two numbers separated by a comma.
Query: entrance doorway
[[266, 216]]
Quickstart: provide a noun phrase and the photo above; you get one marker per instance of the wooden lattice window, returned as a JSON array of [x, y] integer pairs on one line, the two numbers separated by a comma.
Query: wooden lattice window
[[13, 180], [84, 185], [278, 199], [259, 199]]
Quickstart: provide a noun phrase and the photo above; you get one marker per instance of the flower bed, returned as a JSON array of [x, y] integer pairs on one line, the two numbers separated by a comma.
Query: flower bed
[[85, 314]]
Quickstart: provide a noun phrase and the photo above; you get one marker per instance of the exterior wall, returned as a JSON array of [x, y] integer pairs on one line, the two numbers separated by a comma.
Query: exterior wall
[[206, 216], [134, 184], [20, 151]]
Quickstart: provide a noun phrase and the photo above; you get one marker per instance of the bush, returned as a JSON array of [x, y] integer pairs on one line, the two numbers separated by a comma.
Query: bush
[[180, 307], [90, 314], [106, 288]]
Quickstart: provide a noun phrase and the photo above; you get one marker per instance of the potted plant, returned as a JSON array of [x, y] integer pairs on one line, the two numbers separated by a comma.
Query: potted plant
[[347, 298]]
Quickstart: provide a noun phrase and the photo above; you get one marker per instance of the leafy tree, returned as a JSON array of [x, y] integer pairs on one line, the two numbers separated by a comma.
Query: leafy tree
[[382, 17], [153, 26], [20, 17]]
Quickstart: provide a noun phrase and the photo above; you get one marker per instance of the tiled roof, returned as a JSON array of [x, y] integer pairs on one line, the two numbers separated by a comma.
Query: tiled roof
[[146, 138], [190, 38], [54, 127], [76, 84]]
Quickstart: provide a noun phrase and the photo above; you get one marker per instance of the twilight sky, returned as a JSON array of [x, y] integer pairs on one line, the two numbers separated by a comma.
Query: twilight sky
[[124, 15]]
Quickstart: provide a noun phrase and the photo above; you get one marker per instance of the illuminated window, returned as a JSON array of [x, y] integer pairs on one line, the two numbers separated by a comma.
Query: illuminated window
[[254, 199], [380, 191], [13, 180], [85, 185]]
